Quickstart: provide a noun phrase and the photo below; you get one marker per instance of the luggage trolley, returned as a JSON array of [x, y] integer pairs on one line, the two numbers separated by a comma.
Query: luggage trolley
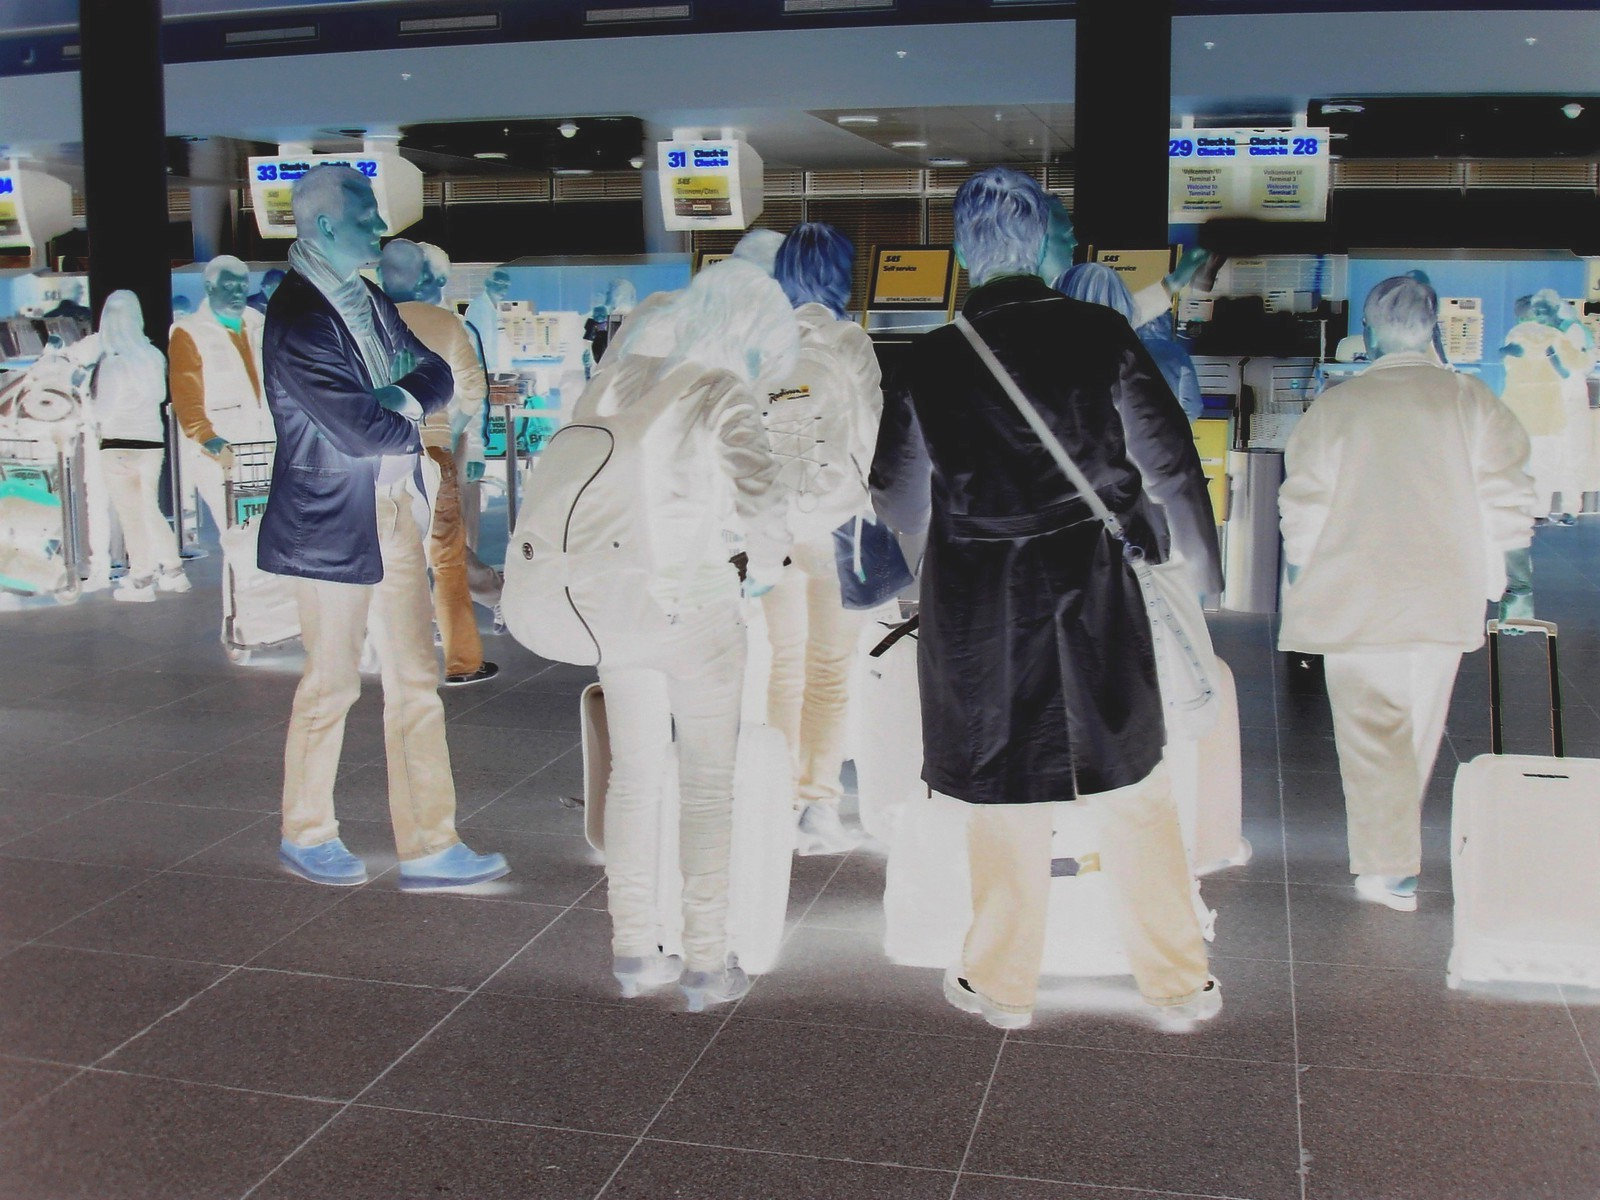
[[246, 482], [40, 501]]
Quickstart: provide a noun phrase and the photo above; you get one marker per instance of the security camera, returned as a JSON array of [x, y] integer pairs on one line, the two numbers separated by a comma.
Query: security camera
[[567, 129]]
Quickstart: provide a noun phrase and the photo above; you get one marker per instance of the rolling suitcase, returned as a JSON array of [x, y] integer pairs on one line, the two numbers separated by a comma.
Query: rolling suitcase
[[927, 896], [1525, 853], [762, 849]]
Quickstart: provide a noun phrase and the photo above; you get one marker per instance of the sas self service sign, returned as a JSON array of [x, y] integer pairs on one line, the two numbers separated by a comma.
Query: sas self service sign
[[1272, 174], [395, 182]]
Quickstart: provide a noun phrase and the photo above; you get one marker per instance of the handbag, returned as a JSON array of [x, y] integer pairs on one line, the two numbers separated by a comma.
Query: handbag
[[1184, 656], [872, 570]]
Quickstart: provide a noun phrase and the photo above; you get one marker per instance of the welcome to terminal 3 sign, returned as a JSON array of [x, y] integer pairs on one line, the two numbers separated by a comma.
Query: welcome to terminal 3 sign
[[1272, 174]]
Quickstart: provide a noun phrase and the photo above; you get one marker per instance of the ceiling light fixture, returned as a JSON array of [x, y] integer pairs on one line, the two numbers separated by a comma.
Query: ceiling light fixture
[[636, 162], [901, 53], [947, 162], [1530, 41], [573, 171], [491, 154], [909, 145], [1572, 111], [858, 119], [1343, 108], [1209, 45], [567, 129]]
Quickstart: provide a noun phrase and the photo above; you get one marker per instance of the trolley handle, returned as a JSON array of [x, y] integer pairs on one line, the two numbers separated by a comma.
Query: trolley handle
[[1528, 625]]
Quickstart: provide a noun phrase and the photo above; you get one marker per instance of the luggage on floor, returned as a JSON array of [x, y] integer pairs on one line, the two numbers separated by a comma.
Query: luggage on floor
[[1525, 853], [258, 608], [763, 835], [1208, 785], [927, 896], [886, 727], [40, 550]]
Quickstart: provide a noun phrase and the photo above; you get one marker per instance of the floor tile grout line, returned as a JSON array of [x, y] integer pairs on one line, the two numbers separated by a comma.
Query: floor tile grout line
[[712, 1040], [434, 1028], [1302, 1168], [977, 1119], [1582, 1042]]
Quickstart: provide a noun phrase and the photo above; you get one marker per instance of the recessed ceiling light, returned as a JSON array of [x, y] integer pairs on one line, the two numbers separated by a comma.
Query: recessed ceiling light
[[573, 171], [1209, 45], [567, 129], [947, 162], [491, 154], [901, 53], [909, 145], [1531, 41], [858, 119], [636, 162]]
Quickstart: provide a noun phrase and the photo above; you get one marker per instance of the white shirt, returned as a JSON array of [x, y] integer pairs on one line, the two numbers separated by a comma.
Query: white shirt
[[1405, 488]]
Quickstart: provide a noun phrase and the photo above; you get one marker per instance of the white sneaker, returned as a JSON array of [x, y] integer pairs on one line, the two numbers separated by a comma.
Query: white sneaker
[[821, 832], [1398, 892], [646, 972], [961, 994], [704, 988], [135, 591], [1202, 1006], [173, 580]]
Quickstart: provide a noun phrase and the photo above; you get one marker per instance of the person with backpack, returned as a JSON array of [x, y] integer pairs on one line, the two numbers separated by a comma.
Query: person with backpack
[[823, 423], [618, 561]]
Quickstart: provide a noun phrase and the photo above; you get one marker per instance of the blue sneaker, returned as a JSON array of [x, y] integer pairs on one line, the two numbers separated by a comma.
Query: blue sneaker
[[456, 866], [328, 863]]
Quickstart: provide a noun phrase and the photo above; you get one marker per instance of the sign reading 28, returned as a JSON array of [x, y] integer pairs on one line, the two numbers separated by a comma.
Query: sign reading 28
[[1305, 145]]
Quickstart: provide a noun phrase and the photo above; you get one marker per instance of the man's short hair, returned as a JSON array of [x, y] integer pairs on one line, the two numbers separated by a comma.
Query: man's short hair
[[320, 192], [814, 266], [438, 260], [1001, 218], [221, 263], [401, 267], [1402, 312]]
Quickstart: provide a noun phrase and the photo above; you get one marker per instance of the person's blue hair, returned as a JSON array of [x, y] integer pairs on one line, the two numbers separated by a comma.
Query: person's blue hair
[[1001, 218], [814, 266], [1096, 283]]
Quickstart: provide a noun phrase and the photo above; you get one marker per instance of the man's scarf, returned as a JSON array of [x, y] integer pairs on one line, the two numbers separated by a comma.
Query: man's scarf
[[353, 303]]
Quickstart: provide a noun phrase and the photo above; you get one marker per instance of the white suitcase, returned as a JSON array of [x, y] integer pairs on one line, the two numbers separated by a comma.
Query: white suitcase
[[1525, 854], [886, 728], [927, 897], [763, 835], [1208, 785]]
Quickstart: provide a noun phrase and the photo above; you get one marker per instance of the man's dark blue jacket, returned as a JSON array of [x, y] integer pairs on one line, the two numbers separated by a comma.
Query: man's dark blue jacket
[[321, 519]]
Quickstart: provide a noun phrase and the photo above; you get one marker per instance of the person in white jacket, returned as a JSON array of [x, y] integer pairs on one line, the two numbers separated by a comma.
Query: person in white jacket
[[823, 424], [1405, 488], [126, 377], [713, 347]]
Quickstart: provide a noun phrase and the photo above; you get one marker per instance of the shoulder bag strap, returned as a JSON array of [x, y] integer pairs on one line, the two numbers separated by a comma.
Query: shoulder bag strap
[[1030, 414]]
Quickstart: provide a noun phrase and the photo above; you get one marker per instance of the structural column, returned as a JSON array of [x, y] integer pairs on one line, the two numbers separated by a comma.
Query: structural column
[[1122, 116], [124, 156]]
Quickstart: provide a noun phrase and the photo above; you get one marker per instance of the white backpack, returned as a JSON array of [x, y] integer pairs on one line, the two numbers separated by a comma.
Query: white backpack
[[580, 562]]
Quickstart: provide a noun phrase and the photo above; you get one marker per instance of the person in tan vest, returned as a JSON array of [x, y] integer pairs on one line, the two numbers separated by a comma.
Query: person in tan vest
[[403, 272], [214, 360]]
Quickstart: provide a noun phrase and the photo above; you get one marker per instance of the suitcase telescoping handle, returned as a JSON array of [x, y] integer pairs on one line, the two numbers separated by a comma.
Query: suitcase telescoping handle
[[1548, 629]]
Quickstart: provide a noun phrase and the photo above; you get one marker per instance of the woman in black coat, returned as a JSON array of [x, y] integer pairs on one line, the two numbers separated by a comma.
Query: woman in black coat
[[1036, 667]]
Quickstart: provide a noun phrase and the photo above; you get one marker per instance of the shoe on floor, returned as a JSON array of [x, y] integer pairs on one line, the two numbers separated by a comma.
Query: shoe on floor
[[456, 866], [487, 671], [135, 591], [646, 972], [499, 626], [1202, 1006], [961, 994], [172, 579], [1398, 892], [327, 862], [821, 832], [704, 988]]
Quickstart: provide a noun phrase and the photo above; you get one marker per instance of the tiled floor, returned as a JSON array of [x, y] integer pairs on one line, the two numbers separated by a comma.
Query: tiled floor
[[179, 1019]]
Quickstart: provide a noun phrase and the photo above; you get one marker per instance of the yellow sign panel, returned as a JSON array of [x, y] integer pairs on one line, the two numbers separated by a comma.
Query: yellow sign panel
[[911, 277], [276, 207], [10, 222], [701, 194], [1137, 269], [1212, 437]]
